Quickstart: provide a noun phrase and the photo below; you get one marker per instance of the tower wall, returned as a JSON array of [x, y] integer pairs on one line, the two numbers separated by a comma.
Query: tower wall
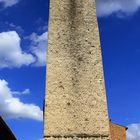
[[75, 106]]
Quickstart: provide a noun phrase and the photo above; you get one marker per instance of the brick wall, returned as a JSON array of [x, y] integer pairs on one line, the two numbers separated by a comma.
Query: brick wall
[[117, 132]]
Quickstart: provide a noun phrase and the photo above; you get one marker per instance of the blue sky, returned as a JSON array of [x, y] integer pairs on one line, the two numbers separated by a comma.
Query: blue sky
[[23, 44], [23, 41]]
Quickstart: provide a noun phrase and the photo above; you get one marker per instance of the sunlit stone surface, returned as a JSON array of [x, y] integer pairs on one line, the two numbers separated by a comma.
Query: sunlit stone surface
[[75, 105]]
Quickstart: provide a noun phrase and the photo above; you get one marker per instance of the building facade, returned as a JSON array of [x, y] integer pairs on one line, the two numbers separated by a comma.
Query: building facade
[[117, 132], [5, 132]]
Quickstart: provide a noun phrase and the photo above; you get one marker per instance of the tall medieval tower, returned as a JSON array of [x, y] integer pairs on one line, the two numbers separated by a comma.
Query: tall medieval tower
[[75, 105]]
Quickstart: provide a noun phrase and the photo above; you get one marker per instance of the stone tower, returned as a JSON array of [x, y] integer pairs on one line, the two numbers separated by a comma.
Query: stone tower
[[75, 105]]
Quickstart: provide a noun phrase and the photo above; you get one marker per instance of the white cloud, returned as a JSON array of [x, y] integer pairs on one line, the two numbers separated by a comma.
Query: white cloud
[[25, 92], [15, 27], [11, 54], [12, 107], [43, 28], [9, 3], [108, 7], [39, 48], [133, 132]]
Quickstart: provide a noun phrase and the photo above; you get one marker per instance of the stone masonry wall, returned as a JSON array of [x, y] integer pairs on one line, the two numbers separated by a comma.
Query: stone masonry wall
[[75, 138], [75, 94]]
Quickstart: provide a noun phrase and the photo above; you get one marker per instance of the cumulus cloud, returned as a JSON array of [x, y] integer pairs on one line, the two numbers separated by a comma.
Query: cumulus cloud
[[39, 48], [133, 132], [9, 3], [11, 54], [125, 7], [13, 108]]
